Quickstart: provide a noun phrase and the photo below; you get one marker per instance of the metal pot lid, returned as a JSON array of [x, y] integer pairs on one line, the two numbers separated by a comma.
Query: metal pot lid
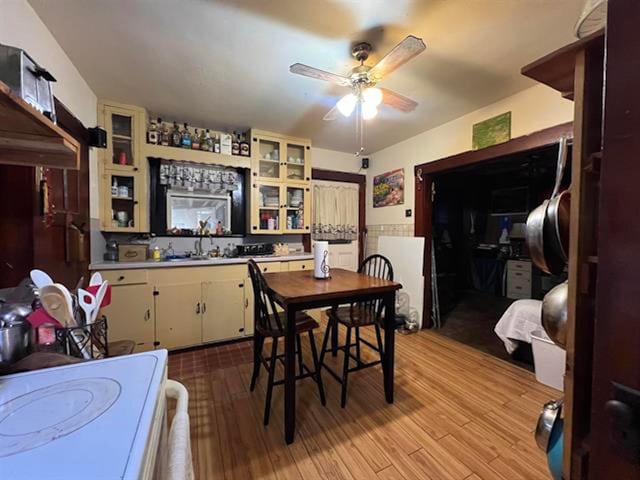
[[546, 421]]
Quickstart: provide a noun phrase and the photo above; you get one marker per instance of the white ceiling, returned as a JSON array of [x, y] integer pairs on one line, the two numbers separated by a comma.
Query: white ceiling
[[224, 63]]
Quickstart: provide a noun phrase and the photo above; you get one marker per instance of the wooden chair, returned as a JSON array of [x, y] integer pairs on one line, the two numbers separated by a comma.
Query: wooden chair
[[357, 316], [269, 325]]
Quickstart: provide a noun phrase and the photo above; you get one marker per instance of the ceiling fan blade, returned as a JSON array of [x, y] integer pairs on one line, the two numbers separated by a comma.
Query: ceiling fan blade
[[307, 71], [398, 56], [397, 101], [331, 114]]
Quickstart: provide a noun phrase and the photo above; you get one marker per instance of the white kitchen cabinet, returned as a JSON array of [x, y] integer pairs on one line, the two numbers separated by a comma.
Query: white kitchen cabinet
[[130, 315], [178, 315]]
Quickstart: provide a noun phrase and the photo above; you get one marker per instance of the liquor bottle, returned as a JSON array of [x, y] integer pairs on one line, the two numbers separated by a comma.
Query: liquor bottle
[[235, 144], [244, 146], [165, 137], [152, 133], [216, 144], [195, 140], [185, 137], [206, 142], [176, 136]]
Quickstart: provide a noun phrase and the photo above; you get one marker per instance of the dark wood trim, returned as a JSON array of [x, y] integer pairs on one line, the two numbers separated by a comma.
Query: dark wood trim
[[424, 180], [346, 177], [548, 136], [557, 69]]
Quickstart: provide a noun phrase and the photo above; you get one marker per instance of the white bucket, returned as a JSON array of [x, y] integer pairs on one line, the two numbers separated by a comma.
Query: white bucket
[[549, 360]]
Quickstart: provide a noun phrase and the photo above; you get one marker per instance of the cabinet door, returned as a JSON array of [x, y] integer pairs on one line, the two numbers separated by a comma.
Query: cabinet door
[[267, 202], [121, 209], [297, 162], [297, 208], [267, 159], [130, 315], [223, 305], [178, 315], [123, 134]]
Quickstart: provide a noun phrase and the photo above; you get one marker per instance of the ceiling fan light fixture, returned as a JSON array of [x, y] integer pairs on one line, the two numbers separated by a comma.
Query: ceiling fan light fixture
[[372, 95], [346, 104], [369, 110]]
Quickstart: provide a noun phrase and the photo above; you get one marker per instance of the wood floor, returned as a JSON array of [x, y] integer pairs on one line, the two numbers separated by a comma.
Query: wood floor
[[458, 414]]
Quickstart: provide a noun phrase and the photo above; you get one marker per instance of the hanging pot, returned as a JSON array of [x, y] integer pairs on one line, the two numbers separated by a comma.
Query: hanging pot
[[547, 232], [555, 314]]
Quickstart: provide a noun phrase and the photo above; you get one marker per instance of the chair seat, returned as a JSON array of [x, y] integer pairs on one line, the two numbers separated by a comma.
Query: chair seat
[[304, 323], [354, 316]]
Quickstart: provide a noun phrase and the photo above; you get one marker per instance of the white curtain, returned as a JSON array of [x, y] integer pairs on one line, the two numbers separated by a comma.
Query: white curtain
[[335, 213]]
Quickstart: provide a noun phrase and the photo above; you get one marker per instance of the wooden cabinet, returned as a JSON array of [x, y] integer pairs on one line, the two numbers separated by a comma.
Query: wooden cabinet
[[123, 170], [297, 265], [178, 314], [130, 316], [223, 306], [280, 184]]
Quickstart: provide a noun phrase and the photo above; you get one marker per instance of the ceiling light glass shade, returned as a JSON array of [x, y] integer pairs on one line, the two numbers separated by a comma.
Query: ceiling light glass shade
[[592, 19], [373, 96], [346, 104], [369, 110]]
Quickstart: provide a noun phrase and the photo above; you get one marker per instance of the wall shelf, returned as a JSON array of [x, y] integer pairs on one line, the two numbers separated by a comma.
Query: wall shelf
[[29, 138], [199, 156]]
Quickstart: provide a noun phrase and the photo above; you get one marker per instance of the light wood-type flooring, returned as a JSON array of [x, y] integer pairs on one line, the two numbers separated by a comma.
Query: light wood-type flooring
[[458, 414]]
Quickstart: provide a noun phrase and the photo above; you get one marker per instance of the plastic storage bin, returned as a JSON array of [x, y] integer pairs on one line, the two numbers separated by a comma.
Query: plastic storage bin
[[549, 360]]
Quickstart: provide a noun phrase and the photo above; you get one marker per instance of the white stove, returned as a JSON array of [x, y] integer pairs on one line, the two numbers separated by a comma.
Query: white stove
[[99, 419]]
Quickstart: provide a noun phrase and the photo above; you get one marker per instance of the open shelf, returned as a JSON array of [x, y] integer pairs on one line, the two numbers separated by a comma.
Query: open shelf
[[199, 156], [29, 138]]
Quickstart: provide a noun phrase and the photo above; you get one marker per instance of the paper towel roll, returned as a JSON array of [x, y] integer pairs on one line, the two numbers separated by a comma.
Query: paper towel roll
[[321, 259]]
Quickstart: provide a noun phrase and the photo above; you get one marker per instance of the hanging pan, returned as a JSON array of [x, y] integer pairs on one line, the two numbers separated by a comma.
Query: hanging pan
[[548, 224]]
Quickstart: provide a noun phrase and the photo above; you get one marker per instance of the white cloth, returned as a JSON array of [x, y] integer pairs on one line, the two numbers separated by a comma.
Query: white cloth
[[518, 322], [179, 463]]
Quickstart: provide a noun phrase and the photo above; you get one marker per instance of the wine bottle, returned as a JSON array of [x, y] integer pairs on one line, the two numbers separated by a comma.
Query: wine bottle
[[185, 137], [206, 142], [176, 136], [165, 137], [244, 146], [195, 140], [216, 144], [235, 144]]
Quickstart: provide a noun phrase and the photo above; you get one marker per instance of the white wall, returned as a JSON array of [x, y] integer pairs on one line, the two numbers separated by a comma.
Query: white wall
[[334, 160], [534, 109], [21, 27]]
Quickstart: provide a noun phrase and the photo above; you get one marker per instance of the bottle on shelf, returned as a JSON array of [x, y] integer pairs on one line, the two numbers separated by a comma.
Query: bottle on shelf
[[216, 144], [185, 137], [209, 141], [235, 144], [152, 133], [176, 136], [195, 140], [114, 187], [245, 149], [165, 136], [203, 140]]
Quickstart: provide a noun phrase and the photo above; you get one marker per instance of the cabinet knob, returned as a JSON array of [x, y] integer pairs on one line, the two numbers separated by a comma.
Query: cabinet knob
[[135, 202], [135, 169], [255, 228], [198, 308], [241, 285], [308, 147], [308, 179], [307, 227], [121, 278], [304, 266]]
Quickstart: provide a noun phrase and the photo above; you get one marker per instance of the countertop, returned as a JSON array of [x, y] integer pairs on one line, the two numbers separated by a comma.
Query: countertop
[[197, 263]]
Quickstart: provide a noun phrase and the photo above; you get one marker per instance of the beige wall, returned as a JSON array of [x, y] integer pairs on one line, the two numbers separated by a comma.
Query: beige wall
[[533, 109], [333, 160]]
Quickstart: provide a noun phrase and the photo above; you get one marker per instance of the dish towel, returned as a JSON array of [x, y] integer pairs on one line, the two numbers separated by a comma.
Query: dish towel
[[518, 321], [179, 462]]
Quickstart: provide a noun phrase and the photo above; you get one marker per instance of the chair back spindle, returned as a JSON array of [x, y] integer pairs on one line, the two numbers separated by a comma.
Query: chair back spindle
[[377, 266], [264, 304]]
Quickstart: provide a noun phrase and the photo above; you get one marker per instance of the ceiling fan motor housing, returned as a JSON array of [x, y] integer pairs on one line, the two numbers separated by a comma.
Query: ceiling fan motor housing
[[361, 51]]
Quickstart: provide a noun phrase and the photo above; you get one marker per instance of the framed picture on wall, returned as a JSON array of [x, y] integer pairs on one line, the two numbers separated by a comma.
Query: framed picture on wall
[[388, 188]]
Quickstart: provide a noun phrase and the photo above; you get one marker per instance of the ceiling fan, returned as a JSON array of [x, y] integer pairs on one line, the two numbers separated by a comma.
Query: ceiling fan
[[363, 79]]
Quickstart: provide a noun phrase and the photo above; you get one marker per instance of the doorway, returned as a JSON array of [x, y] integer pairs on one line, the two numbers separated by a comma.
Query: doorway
[[339, 215]]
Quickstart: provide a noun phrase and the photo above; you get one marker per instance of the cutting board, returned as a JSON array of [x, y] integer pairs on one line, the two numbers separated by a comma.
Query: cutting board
[[406, 255]]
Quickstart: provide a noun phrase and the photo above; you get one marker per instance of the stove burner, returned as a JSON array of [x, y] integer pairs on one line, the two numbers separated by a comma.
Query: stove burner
[[41, 416]]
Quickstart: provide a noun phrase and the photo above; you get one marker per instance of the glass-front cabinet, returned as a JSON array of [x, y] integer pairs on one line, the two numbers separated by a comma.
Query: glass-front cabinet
[[267, 204], [297, 164], [297, 209], [268, 163], [124, 132], [281, 184], [122, 206]]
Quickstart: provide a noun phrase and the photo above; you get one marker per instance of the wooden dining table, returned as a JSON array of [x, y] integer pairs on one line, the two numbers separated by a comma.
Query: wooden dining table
[[300, 290]]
